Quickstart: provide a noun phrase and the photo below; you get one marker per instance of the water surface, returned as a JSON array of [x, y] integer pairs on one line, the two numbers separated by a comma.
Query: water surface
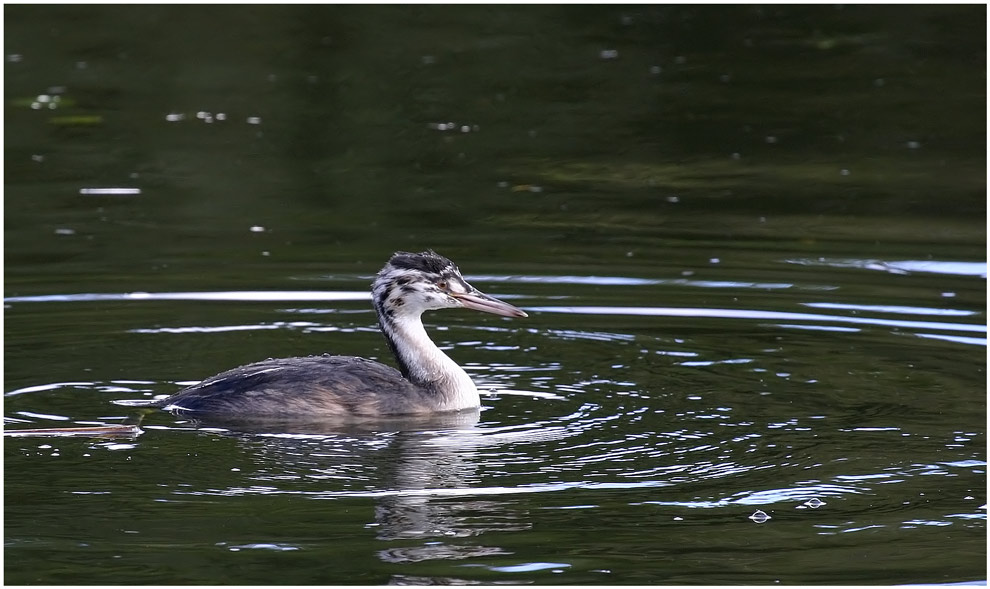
[[751, 241]]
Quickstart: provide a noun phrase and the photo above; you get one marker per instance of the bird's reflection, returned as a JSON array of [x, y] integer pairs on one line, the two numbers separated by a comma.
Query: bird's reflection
[[423, 474], [424, 519]]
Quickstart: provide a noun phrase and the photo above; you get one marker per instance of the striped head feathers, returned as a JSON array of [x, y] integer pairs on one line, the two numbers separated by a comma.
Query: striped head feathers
[[412, 283]]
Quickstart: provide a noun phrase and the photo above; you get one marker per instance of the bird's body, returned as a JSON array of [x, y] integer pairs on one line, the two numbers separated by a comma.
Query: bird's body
[[427, 381]]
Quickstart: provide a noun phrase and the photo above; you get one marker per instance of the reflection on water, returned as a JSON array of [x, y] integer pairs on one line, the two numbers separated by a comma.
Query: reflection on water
[[197, 296], [410, 472], [758, 315], [904, 266]]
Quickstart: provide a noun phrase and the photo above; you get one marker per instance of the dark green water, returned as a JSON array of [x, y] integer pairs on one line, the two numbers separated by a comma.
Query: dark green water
[[751, 240]]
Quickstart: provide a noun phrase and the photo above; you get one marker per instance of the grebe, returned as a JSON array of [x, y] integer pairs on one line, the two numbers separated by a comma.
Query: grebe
[[323, 386]]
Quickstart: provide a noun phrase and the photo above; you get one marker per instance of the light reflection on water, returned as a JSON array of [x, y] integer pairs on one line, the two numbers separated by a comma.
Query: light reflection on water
[[901, 266], [756, 315], [893, 309], [265, 296], [713, 313]]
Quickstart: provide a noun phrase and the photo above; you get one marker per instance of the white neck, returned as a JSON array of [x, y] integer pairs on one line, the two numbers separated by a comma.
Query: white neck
[[428, 366]]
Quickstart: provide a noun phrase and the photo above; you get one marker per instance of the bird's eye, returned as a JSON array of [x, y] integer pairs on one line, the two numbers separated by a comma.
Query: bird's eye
[[442, 285]]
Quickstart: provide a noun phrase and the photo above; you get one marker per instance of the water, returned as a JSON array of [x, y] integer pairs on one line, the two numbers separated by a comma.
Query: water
[[751, 242]]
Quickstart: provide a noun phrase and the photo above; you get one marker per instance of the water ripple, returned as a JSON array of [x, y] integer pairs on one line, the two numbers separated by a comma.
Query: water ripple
[[900, 266], [756, 315], [235, 295]]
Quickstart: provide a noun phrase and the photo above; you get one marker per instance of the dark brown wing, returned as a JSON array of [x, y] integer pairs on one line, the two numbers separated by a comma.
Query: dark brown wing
[[300, 387]]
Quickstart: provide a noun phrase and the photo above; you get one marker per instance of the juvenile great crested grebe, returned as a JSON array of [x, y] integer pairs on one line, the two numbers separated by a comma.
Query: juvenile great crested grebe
[[315, 386]]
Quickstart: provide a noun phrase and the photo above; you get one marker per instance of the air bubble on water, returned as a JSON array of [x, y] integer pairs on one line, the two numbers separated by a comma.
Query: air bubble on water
[[760, 517], [814, 503]]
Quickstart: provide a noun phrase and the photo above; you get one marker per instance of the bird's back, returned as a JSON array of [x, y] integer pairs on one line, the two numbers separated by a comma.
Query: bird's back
[[307, 386]]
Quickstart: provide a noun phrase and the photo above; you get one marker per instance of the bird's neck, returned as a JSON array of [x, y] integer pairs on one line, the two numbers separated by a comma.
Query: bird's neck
[[427, 366]]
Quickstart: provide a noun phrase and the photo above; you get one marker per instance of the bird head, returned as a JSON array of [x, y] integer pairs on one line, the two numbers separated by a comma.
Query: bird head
[[411, 283]]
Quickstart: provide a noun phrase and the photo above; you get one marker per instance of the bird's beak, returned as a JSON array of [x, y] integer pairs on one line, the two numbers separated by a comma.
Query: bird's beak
[[479, 301]]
